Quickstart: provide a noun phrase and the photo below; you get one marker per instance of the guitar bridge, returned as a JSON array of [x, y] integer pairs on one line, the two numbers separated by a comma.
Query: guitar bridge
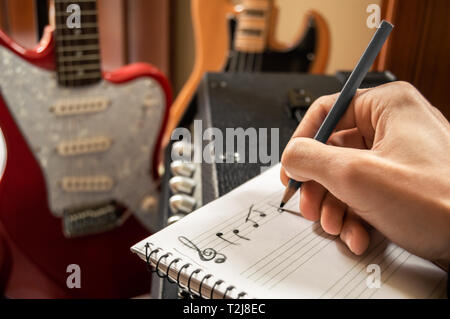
[[94, 219]]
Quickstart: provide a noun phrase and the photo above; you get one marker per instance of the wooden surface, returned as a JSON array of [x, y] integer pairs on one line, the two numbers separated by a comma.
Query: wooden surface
[[419, 48], [148, 32], [19, 20], [211, 49], [113, 35], [3, 15]]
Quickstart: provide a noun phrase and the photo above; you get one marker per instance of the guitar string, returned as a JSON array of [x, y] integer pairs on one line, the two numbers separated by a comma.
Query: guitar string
[[60, 45], [251, 61]]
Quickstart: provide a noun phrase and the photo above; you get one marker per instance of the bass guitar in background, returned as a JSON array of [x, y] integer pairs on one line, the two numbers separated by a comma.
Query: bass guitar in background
[[239, 36], [81, 148]]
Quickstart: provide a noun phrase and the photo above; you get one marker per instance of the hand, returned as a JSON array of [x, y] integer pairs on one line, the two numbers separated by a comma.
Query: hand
[[386, 165]]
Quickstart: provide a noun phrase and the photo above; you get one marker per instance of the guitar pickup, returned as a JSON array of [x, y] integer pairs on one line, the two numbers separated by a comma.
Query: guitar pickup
[[87, 184], [84, 146], [80, 106]]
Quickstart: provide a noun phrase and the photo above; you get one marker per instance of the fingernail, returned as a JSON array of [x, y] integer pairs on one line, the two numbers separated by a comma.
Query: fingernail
[[347, 238]]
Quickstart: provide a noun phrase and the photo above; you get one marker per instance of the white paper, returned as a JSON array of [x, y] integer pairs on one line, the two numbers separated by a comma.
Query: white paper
[[286, 256]]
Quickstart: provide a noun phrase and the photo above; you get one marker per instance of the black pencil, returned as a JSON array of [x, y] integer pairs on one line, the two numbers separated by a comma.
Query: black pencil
[[347, 94]]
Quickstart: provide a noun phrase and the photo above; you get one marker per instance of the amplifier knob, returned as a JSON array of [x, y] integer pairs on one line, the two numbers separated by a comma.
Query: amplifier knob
[[181, 184], [180, 168], [182, 204]]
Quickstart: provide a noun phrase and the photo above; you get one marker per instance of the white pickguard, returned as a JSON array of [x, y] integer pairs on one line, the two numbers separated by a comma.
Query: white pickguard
[[131, 122]]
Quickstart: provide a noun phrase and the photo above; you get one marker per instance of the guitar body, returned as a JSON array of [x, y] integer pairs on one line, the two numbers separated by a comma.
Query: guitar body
[[35, 253], [213, 49]]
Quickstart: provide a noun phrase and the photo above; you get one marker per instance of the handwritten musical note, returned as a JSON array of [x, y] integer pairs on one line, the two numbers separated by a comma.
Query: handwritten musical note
[[250, 211], [236, 232], [281, 210], [207, 254], [220, 235]]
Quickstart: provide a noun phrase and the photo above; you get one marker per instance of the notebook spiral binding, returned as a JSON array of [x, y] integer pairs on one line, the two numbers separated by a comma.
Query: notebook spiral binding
[[157, 270]]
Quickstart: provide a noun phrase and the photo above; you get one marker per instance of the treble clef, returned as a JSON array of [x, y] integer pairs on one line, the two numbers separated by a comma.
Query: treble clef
[[207, 254]]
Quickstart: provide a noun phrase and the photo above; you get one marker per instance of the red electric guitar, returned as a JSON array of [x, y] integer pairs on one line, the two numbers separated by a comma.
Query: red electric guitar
[[81, 147]]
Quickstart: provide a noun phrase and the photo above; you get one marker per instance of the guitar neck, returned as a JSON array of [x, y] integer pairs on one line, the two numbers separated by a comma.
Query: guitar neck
[[252, 27], [77, 43]]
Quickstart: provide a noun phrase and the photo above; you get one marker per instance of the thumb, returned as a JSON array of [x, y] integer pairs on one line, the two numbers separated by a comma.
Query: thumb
[[305, 159]]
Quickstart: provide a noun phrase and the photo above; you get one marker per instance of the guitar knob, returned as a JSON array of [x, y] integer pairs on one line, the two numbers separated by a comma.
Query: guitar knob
[[174, 218], [180, 168], [181, 151], [182, 204], [181, 184]]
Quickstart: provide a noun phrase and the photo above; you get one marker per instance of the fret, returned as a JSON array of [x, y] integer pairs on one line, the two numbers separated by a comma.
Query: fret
[[79, 58], [87, 25], [75, 1], [85, 76], [78, 68], [78, 37], [76, 48], [83, 13]]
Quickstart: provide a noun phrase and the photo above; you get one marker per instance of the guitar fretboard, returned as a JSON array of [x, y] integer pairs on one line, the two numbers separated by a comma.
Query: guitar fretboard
[[77, 44], [251, 32]]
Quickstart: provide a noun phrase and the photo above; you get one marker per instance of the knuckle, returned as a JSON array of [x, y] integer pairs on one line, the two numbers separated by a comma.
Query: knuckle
[[406, 90], [291, 156], [406, 86], [322, 101], [286, 158]]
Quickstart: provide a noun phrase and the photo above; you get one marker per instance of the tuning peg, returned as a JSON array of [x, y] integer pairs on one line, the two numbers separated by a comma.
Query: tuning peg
[[181, 184], [174, 218], [181, 151], [182, 204], [180, 168]]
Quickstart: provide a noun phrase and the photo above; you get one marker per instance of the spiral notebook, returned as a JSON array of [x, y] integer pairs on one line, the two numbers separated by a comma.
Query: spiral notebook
[[242, 246]]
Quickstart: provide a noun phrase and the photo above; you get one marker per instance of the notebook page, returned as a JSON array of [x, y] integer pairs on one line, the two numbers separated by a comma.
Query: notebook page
[[268, 254]]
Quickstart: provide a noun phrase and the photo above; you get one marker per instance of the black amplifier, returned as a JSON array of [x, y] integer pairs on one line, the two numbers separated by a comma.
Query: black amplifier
[[229, 107]]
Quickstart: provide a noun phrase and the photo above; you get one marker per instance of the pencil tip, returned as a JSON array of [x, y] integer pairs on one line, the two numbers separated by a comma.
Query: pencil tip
[[282, 204]]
